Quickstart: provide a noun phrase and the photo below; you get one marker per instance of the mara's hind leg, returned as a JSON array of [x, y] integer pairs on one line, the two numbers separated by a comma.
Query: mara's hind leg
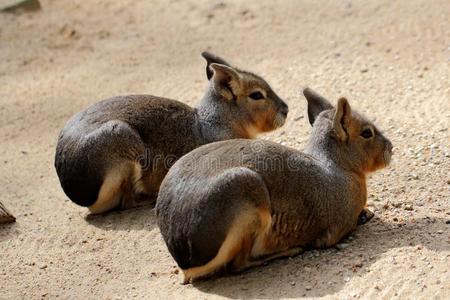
[[117, 189], [245, 246], [260, 260], [115, 149], [237, 244], [250, 212], [109, 195]]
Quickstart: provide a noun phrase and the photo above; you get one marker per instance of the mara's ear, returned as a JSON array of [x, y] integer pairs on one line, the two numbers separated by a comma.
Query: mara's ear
[[212, 59], [342, 119], [225, 80], [316, 104]]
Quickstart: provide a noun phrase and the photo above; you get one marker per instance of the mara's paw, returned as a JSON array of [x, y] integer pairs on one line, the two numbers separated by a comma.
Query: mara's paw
[[365, 216]]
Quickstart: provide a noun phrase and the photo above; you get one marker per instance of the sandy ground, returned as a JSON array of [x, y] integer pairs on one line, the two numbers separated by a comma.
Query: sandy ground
[[391, 59]]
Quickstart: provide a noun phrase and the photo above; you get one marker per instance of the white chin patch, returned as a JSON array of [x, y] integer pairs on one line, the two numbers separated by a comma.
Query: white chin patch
[[387, 157], [279, 121]]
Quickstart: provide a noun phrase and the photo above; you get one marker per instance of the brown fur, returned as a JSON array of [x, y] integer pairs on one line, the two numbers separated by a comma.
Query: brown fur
[[310, 199]]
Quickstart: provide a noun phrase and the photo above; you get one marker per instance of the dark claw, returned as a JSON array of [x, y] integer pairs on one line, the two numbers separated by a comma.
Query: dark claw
[[365, 216]]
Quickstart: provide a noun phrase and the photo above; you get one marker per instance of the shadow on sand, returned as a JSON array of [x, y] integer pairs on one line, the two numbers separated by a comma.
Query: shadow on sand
[[325, 271], [8, 230], [139, 218]]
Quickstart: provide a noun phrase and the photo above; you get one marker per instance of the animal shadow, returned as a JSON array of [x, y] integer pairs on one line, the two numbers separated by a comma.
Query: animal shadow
[[139, 218], [8, 230], [318, 273]]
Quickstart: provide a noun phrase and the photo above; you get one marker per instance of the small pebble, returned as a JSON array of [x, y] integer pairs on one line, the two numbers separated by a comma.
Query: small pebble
[[342, 246], [408, 207]]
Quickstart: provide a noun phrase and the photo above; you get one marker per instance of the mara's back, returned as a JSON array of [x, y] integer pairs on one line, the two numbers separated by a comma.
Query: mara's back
[[287, 173], [159, 121]]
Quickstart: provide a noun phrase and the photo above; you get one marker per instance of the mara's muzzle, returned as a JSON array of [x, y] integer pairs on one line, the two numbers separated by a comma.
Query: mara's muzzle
[[280, 117], [387, 154]]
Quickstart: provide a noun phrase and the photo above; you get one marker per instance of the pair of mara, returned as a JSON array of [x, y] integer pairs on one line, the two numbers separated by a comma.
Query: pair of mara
[[223, 205]]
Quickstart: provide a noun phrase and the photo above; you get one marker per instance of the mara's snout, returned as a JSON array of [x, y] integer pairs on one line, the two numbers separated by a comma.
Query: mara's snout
[[388, 151], [281, 116]]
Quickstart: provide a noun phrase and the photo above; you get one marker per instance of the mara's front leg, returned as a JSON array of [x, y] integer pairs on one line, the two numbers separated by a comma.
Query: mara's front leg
[[268, 244], [144, 189]]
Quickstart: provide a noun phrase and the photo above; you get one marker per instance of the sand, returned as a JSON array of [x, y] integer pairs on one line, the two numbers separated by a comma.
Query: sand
[[390, 59]]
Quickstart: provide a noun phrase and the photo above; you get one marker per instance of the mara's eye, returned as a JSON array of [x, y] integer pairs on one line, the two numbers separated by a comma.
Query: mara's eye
[[367, 133], [256, 95]]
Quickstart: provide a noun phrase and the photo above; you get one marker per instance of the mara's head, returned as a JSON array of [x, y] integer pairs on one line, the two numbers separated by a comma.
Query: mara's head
[[346, 136], [252, 102]]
